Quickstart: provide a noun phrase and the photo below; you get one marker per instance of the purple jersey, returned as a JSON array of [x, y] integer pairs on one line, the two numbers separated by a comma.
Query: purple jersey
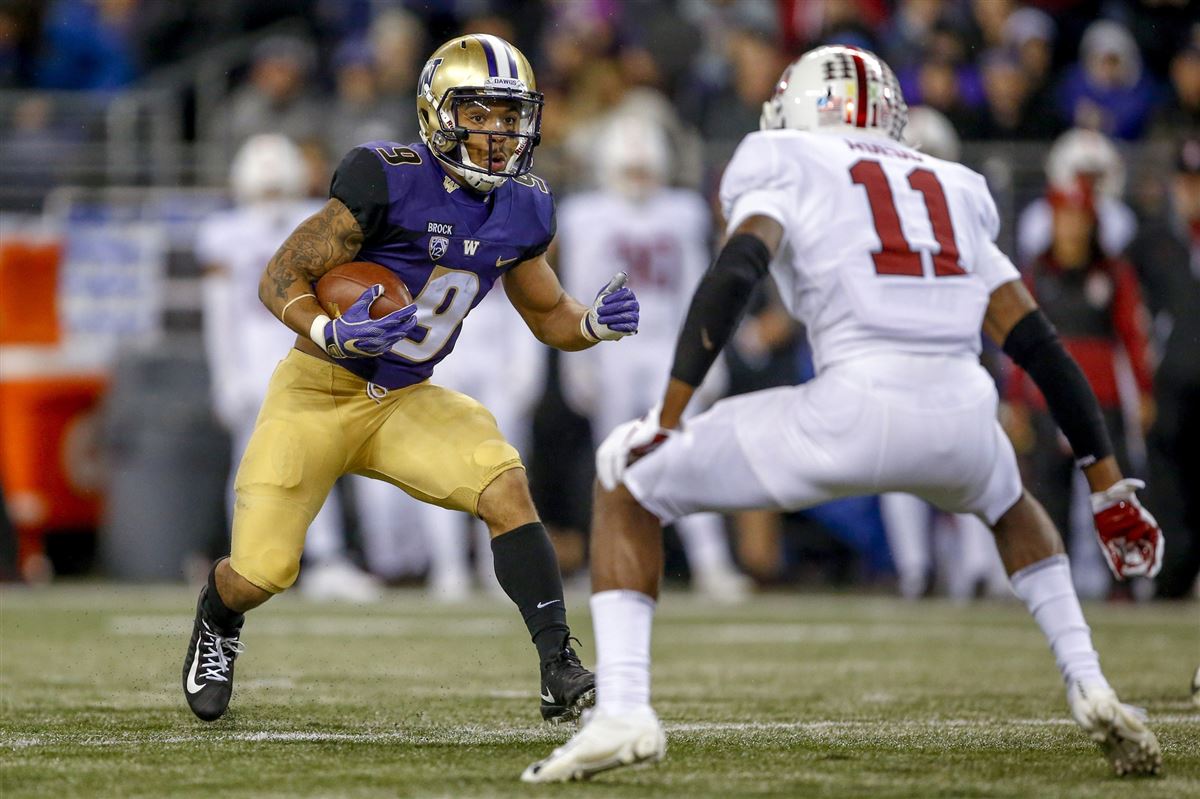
[[447, 243]]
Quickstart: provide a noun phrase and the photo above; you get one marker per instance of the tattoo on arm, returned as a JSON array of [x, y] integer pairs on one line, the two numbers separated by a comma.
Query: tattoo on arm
[[326, 239]]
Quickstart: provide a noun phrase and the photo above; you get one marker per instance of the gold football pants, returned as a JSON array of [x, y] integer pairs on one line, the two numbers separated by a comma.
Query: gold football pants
[[318, 422]]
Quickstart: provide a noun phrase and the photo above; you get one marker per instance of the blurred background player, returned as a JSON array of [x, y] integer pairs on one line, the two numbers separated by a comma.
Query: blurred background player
[[1088, 156], [1091, 295], [931, 548], [660, 237], [244, 341]]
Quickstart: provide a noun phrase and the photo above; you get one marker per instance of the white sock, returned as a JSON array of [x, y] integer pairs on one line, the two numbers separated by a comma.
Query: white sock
[[1047, 591], [703, 539], [622, 621]]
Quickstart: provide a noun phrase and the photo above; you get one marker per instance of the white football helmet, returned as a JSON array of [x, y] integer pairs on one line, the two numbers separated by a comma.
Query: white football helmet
[[1088, 155], [635, 158], [837, 88], [268, 166], [929, 131]]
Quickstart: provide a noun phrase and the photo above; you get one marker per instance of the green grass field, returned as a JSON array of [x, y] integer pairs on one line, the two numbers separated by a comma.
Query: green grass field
[[790, 696]]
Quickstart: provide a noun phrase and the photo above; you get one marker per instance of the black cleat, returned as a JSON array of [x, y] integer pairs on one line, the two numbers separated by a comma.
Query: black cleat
[[208, 667], [567, 687]]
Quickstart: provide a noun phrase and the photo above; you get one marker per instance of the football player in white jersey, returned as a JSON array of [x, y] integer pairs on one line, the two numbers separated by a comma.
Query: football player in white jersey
[[888, 258], [244, 342], [660, 237]]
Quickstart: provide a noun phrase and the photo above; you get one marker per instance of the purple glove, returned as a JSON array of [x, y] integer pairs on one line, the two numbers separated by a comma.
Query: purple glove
[[355, 334], [613, 315]]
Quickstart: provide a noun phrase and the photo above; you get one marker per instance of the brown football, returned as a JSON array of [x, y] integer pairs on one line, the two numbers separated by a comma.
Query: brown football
[[341, 286]]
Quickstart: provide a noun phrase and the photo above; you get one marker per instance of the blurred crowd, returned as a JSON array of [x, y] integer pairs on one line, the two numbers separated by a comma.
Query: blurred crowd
[[1109, 245], [345, 70]]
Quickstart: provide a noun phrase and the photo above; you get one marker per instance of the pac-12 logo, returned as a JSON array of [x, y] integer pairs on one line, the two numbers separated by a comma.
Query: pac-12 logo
[[438, 246]]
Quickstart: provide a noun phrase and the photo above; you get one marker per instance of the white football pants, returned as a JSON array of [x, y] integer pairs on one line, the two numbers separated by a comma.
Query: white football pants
[[924, 425]]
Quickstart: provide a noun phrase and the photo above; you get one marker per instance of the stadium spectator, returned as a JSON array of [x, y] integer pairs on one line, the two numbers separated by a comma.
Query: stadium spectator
[[1179, 116], [1108, 91], [87, 45], [1031, 34], [990, 18], [360, 114], [937, 84], [20, 24], [947, 44], [1162, 28], [1095, 303], [804, 24], [712, 69], [905, 36], [397, 41], [1167, 254], [658, 45], [755, 60], [275, 99], [1006, 113]]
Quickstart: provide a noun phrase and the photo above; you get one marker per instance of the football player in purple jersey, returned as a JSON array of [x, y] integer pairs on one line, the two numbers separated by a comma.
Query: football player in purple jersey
[[451, 215]]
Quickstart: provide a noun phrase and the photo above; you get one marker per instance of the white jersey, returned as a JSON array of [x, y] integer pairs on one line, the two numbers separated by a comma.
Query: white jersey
[[885, 249], [662, 243], [508, 386], [244, 340]]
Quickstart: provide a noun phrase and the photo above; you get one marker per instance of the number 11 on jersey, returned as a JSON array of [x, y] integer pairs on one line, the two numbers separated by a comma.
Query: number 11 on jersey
[[896, 256]]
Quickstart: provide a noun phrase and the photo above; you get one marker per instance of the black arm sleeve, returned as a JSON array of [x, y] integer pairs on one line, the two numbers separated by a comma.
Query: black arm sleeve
[[718, 305], [1033, 344], [361, 185]]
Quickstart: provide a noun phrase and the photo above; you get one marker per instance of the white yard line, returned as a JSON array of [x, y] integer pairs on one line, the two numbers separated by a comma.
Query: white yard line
[[716, 632], [321, 626], [465, 735]]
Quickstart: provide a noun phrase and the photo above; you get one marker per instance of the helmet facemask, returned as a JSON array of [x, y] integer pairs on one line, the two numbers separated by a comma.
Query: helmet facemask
[[507, 121]]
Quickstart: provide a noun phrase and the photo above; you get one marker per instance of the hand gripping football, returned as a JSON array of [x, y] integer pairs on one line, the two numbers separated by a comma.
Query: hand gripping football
[[338, 288]]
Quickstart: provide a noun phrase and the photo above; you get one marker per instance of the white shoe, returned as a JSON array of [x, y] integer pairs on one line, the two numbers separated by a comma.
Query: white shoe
[[605, 742], [339, 580], [725, 585], [1119, 729], [1196, 688]]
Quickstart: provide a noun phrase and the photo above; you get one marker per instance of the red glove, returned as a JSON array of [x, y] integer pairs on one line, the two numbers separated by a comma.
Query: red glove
[[1129, 536]]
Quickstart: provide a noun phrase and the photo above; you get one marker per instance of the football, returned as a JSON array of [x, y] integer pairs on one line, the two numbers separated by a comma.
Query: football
[[341, 286]]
